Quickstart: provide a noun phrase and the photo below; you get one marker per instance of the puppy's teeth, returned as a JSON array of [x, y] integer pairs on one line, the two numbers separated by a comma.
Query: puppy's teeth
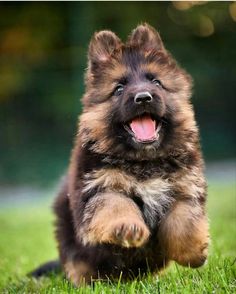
[[159, 126]]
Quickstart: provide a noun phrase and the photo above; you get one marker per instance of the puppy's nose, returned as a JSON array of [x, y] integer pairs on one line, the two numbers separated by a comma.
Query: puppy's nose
[[143, 97]]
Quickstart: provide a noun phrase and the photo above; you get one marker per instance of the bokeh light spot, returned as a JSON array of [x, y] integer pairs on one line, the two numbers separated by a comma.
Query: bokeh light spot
[[185, 5], [205, 27], [232, 11], [182, 5]]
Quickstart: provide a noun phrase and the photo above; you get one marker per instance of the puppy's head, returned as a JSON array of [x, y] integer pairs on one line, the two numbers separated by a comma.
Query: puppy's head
[[137, 98]]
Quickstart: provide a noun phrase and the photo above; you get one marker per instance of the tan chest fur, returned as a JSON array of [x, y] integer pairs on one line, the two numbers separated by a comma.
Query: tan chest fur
[[154, 192]]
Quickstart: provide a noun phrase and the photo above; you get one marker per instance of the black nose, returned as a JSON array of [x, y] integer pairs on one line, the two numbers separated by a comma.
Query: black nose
[[143, 97]]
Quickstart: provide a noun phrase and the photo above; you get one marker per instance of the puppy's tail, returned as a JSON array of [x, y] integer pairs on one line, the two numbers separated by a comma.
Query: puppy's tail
[[48, 268]]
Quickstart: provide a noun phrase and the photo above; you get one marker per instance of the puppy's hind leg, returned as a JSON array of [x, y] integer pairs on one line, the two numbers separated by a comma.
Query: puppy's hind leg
[[72, 254], [184, 234]]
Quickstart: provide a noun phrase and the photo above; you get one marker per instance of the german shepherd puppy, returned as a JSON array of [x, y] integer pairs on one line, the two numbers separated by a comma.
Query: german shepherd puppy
[[134, 196]]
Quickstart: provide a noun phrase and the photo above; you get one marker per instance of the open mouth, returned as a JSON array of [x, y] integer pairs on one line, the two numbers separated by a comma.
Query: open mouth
[[144, 128]]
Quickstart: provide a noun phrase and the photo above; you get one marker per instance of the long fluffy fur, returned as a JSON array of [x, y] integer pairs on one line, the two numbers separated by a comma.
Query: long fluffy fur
[[125, 206]]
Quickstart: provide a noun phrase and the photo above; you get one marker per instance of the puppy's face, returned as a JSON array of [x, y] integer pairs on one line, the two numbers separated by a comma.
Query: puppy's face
[[136, 102]]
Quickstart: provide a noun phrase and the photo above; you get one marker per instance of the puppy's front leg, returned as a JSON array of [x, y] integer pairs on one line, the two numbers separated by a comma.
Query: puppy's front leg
[[115, 219], [184, 234]]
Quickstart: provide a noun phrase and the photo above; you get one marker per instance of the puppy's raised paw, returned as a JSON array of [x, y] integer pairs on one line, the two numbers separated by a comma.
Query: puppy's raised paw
[[130, 234]]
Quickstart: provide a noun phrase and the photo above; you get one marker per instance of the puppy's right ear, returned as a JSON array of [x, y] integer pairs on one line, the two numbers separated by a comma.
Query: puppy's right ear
[[146, 38], [102, 46]]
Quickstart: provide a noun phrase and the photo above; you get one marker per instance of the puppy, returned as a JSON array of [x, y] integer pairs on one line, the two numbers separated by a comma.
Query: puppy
[[134, 195]]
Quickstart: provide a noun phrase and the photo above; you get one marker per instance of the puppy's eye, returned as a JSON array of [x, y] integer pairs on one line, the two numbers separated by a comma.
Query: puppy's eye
[[157, 82], [119, 90]]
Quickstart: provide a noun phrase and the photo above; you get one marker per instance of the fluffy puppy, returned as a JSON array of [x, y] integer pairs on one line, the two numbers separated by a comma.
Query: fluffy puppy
[[134, 196]]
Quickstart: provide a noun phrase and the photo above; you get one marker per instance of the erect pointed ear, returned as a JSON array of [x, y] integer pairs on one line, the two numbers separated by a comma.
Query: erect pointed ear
[[146, 38], [103, 44]]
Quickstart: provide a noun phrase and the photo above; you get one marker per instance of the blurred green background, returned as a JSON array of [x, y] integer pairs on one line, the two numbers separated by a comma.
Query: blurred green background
[[42, 60]]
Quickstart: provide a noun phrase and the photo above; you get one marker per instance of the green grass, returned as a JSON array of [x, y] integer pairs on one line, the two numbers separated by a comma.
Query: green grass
[[26, 240]]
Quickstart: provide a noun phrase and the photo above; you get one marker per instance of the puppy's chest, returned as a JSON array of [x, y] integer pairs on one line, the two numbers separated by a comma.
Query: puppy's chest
[[153, 195], [109, 179]]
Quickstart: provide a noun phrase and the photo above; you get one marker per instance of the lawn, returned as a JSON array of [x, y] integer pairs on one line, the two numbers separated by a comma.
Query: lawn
[[26, 240]]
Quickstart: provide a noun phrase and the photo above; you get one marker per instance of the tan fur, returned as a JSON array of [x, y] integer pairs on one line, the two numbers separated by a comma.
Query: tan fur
[[103, 45], [112, 75], [79, 273], [116, 71], [111, 179], [117, 180], [184, 234], [145, 37], [93, 127], [116, 220], [192, 184], [153, 192]]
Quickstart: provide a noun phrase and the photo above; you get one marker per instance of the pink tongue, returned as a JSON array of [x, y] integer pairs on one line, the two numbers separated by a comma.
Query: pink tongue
[[144, 128]]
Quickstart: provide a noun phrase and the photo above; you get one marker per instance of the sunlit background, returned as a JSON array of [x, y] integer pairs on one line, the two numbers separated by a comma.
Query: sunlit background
[[42, 60]]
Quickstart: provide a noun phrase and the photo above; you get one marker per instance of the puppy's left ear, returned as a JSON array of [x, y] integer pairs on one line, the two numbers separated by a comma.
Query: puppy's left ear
[[146, 38], [102, 46]]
